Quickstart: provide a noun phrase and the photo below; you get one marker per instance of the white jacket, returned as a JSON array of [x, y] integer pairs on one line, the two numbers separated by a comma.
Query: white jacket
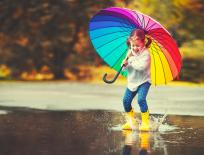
[[138, 69]]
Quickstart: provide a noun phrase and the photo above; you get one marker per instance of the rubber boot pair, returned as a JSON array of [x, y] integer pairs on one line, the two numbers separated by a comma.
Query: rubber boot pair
[[145, 126], [130, 121]]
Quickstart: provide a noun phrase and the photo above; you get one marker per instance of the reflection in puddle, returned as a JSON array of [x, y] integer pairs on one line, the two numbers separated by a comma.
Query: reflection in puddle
[[142, 143], [3, 112], [97, 132], [132, 139]]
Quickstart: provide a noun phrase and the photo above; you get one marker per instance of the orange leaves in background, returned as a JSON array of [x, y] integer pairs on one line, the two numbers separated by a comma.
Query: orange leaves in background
[[82, 43], [43, 74], [90, 73], [23, 41]]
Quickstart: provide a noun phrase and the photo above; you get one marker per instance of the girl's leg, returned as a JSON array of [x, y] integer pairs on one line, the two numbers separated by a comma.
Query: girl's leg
[[142, 94], [130, 114], [127, 100]]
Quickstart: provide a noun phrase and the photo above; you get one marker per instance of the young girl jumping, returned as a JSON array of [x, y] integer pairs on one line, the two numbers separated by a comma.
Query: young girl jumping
[[137, 63]]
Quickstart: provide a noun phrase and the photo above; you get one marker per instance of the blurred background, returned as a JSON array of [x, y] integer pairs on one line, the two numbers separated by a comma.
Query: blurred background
[[49, 40]]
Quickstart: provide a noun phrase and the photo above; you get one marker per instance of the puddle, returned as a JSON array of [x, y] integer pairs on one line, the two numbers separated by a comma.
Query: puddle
[[28, 131], [3, 112]]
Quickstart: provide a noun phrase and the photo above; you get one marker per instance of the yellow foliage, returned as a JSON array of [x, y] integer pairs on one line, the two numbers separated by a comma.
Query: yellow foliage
[[193, 49], [4, 71], [43, 74], [96, 74], [69, 75]]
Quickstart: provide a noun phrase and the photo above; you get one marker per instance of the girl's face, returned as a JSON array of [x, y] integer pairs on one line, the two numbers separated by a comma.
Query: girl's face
[[136, 43]]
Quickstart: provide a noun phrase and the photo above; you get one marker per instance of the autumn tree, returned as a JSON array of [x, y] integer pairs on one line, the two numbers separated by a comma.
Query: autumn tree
[[45, 32]]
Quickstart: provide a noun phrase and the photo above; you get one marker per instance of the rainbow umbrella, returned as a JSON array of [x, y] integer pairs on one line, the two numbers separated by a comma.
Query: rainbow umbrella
[[109, 30]]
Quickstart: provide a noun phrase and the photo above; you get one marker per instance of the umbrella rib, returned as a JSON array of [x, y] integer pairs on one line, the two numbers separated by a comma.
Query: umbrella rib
[[124, 15], [123, 24], [170, 45], [154, 68], [161, 64], [168, 61], [127, 22], [159, 34], [151, 26], [131, 25], [119, 58], [113, 50], [109, 27], [143, 21], [111, 41], [134, 18], [138, 19], [106, 20], [163, 41], [147, 23], [108, 34]]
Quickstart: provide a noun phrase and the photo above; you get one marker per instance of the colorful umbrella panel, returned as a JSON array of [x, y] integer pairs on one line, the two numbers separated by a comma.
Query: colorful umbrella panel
[[109, 30]]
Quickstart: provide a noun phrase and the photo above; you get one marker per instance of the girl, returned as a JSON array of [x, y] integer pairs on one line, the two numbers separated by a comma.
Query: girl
[[137, 62]]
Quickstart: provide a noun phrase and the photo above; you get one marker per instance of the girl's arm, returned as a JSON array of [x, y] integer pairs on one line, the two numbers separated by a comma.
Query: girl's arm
[[129, 53], [142, 62], [125, 61]]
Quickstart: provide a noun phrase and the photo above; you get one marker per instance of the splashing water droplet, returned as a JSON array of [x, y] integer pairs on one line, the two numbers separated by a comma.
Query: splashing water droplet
[[159, 124]]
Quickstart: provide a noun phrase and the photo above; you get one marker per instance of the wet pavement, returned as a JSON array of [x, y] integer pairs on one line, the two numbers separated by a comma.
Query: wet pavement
[[82, 119], [180, 100], [27, 131]]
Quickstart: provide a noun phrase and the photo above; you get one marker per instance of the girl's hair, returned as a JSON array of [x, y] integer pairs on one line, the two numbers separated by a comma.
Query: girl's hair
[[141, 35], [149, 41]]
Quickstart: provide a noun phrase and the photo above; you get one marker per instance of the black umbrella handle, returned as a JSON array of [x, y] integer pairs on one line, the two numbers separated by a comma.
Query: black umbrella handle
[[113, 80]]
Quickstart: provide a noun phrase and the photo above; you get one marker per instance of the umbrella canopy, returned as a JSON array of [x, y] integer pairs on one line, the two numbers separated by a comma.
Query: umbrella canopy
[[109, 30]]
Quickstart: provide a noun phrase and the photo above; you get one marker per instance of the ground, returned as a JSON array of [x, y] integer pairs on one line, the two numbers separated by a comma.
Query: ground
[[78, 118]]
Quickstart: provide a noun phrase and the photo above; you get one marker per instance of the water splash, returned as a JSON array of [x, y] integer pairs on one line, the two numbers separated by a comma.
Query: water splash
[[157, 124], [117, 127]]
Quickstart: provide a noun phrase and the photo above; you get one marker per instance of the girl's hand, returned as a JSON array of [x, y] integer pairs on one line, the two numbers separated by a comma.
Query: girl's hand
[[130, 54], [125, 62]]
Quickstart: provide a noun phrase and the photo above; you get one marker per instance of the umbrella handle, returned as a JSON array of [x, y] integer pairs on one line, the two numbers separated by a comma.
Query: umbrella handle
[[113, 80]]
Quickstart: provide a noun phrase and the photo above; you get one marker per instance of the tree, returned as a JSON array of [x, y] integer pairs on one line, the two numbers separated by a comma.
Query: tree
[[44, 32]]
